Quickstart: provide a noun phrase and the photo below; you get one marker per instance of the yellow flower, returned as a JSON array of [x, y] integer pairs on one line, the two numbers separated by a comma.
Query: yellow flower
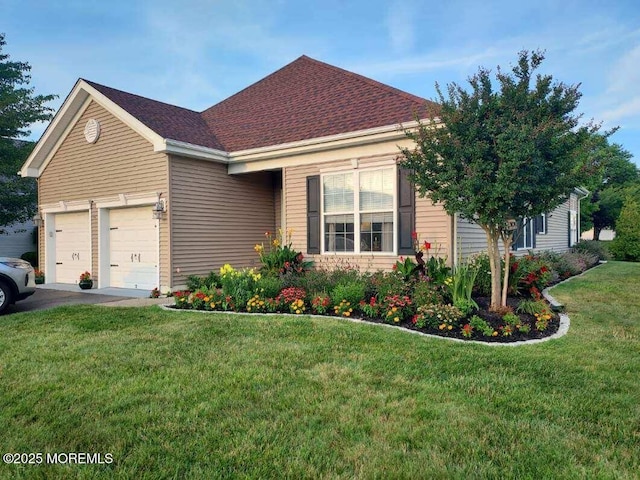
[[276, 242], [396, 319], [258, 248]]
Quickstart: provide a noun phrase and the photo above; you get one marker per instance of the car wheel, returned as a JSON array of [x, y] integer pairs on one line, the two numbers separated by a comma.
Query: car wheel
[[6, 296]]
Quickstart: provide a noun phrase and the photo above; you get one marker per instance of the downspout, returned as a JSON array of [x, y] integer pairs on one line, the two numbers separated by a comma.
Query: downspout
[[454, 240], [585, 193]]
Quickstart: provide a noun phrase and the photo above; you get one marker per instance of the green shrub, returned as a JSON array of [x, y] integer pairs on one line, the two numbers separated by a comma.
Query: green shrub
[[352, 292], [195, 282], [593, 247], [317, 280], [465, 306], [426, 293], [387, 284], [482, 326], [570, 263], [531, 307], [239, 285], [529, 273], [268, 286], [344, 274], [626, 244], [279, 257]]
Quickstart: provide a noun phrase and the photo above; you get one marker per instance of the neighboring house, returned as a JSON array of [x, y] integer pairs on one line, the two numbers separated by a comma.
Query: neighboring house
[[17, 239], [605, 234], [142, 193]]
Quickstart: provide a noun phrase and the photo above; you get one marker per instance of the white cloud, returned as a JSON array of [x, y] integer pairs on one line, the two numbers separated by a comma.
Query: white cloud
[[400, 23]]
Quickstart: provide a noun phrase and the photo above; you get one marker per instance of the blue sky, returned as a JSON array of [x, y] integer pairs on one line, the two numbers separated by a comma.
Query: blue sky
[[196, 53]]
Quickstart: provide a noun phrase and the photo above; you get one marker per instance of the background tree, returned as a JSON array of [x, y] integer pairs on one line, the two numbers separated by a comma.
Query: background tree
[[496, 156], [19, 108], [608, 188], [626, 245]]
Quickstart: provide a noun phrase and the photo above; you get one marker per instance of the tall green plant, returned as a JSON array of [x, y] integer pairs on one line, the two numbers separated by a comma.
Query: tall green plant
[[278, 256], [461, 285]]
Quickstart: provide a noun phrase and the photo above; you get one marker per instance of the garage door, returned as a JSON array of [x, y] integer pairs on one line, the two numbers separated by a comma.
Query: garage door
[[72, 246], [133, 248]]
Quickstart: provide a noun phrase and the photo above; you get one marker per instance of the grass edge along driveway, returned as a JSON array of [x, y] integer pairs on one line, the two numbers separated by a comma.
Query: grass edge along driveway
[[181, 395]]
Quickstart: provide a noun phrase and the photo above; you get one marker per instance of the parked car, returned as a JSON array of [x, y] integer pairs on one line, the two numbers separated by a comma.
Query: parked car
[[17, 281]]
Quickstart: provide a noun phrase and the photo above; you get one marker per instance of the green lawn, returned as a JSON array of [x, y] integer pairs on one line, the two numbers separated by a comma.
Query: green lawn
[[189, 395]]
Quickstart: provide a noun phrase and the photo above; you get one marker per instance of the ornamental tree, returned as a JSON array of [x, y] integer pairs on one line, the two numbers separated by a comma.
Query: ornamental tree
[[497, 155], [615, 172], [19, 108]]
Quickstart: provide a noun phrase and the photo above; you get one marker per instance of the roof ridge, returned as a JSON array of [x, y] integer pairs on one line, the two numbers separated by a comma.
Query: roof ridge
[[251, 85], [93, 84], [372, 82]]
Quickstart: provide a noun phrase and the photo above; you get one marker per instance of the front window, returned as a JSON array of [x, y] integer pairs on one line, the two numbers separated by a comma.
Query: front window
[[358, 211]]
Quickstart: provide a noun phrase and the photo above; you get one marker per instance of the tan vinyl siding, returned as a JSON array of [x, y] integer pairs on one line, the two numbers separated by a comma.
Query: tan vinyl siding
[[120, 162], [216, 218], [432, 222], [472, 239]]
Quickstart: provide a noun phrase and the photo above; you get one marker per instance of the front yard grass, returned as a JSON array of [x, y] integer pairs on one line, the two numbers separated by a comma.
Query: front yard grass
[[190, 395]]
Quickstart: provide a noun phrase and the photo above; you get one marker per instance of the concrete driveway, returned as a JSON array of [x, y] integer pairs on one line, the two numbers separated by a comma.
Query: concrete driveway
[[49, 296]]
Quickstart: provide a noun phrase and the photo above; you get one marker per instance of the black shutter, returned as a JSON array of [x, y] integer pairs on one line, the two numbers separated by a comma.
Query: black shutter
[[313, 214], [569, 229], [406, 212], [518, 236]]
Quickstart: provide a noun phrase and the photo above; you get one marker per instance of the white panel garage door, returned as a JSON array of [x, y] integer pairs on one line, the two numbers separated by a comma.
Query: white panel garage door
[[133, 248], [72, 246]]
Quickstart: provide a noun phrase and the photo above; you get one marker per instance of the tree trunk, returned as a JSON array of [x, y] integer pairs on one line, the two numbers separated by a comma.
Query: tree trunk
[[596, 232], [494, 262], [507, 241]]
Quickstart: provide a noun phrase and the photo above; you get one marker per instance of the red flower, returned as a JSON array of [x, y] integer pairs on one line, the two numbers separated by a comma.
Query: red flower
[[414, 235], [426, 245]]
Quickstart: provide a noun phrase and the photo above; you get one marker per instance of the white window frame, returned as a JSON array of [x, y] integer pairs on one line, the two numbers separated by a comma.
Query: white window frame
[[356, 211], [528, 232]]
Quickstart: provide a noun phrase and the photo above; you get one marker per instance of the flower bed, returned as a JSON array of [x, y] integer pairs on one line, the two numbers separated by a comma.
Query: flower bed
[[425, 296]]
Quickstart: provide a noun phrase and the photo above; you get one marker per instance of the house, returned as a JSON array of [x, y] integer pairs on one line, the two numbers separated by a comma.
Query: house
[[17, 239], [142, 193]]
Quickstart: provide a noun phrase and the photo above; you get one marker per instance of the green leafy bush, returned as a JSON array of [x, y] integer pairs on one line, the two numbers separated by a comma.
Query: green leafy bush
[[426, 293], [626, 244], [482, 326], [268, 286], [195, 282], [238, 285], [352, 292], [279, 257], [387, 284], [531, 307]]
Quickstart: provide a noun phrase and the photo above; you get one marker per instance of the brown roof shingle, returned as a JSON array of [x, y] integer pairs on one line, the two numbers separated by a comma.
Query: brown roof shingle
[[305, 99], [166, 120]]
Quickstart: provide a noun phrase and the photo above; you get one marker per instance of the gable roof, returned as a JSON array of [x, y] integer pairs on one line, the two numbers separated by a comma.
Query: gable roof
[[305, 101]]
